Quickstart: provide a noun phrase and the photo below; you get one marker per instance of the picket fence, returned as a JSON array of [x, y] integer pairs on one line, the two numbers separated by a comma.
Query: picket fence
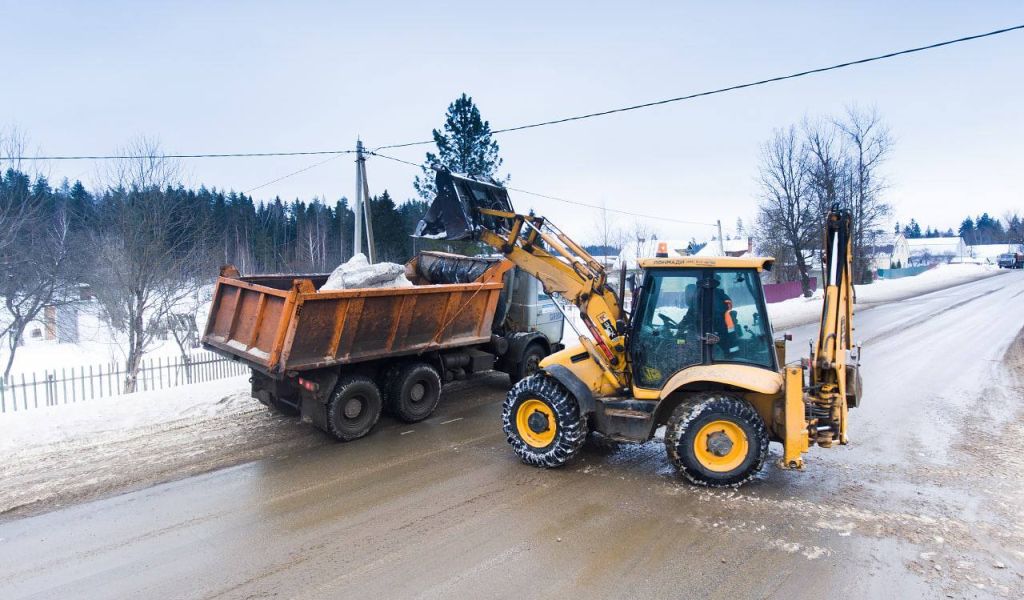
[[20, 392]]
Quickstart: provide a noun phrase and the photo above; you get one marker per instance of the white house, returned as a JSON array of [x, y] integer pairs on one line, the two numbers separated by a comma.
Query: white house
[[647, 249], [737, 247], [933, 251]]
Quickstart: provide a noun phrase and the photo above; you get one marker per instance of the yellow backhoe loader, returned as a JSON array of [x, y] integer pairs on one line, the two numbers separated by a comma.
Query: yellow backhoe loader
[[696, 353]]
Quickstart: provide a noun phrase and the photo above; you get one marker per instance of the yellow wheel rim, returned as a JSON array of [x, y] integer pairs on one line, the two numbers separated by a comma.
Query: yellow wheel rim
[[721, 446], [535, 422]]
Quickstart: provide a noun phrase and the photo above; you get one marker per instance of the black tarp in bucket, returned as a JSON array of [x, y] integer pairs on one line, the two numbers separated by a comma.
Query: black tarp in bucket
[[453, 213]]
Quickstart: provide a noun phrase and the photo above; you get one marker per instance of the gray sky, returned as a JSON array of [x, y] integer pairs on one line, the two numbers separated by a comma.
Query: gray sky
[[85, 77]]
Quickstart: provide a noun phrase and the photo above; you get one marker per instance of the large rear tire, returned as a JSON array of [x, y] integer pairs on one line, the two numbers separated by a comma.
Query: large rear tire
[[529, 363], [353, 408], [716, 440], [413, 392], [542, 422]]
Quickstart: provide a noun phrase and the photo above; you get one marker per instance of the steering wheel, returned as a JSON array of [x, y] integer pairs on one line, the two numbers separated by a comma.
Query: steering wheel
[[669, 322]]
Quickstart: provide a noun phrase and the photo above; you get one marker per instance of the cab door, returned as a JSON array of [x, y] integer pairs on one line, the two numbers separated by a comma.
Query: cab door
[[668, 325]]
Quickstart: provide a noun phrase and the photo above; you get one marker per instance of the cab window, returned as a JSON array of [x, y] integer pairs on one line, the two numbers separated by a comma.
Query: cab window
[[739, 320], [667, 329]]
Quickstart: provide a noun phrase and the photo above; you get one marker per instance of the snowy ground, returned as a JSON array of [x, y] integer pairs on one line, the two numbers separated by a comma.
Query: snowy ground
[[97, 345], [59, 454], [800, 311]]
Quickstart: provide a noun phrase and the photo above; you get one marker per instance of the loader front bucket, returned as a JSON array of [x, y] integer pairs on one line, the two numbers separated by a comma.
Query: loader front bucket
[[454, 215]]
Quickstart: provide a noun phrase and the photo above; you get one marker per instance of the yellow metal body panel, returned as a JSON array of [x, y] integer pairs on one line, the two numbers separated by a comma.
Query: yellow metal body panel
[[588, 371], [754, 379], [797, 439], [721, 262]]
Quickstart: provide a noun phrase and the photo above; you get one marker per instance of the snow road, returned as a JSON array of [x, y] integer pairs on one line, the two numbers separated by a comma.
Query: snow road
[[928, 500]]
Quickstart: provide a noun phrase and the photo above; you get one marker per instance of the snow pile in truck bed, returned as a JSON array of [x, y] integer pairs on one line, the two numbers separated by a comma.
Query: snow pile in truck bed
[[359, 273]]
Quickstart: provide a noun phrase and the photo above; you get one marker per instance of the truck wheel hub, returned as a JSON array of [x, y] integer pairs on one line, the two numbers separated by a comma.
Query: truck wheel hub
[[417, 392], [353, 407], [719, 444], [538, 422]]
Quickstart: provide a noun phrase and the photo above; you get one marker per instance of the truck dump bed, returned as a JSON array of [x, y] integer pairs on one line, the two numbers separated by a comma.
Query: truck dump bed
[[281, 323]]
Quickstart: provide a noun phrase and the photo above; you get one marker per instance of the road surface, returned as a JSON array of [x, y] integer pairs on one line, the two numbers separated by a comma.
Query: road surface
[[927, 501]]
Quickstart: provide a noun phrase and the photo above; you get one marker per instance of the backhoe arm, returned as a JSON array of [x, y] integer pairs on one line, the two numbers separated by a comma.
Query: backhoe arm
[[834, 382], [467, 208]]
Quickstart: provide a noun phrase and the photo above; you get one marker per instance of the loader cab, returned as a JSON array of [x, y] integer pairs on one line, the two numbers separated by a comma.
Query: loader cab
[[695, 311]]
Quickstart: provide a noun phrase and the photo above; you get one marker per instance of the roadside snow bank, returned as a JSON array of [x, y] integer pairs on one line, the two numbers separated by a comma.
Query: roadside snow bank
[[800, 311], [109, 419]]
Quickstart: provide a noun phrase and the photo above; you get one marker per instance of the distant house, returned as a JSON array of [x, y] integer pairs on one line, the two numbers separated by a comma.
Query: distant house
[[647, 249], [934, 251], [889, 251], [737, 247], [676, 248]]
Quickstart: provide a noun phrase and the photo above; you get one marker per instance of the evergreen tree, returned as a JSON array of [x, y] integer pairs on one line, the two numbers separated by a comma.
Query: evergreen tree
[[464, 146]]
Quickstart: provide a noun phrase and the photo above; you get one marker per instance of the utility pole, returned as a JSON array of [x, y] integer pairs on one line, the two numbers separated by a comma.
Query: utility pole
[[362, 208], [721, 242], [357, 208]]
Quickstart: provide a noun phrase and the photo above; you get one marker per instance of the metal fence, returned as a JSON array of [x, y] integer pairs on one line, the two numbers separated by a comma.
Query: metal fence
[[19, 392]]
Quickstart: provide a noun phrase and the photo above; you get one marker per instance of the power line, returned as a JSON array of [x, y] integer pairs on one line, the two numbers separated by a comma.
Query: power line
[[567, 201], [735, 87], [572, 118], [159, 156], [283, 177]]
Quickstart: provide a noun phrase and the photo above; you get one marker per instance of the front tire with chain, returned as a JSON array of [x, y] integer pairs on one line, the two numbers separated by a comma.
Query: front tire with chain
[[717, 440], [542, 422]]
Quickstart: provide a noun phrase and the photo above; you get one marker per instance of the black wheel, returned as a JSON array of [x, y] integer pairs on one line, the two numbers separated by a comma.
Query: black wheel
[[542, 422], [353, 408], [529, 363], [413, 392], [716, 440]]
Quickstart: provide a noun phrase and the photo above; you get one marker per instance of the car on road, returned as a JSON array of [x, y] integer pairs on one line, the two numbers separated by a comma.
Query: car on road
[[1011, 260]]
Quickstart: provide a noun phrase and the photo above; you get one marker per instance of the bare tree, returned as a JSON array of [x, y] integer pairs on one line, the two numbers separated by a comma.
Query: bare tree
[[36, 274], [869, 143], [640, 233], [787, 220], [607, 233], [149, 251]]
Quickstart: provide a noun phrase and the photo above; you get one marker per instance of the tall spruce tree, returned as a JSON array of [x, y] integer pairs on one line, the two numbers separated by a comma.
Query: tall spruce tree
[[464, 146]]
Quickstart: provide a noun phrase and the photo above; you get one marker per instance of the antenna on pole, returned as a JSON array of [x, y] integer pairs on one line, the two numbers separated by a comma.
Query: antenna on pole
[[362, 208]]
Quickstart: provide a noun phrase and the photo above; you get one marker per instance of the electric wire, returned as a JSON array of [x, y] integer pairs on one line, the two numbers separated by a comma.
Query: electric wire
[[283, 177], [565, 200], [602, 113], [732, 88]]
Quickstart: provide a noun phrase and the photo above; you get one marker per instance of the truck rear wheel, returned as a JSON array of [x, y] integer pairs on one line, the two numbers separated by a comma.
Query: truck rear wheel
[[542, 422], [528, 363], [353, 408], [716, 440], [413, 392]]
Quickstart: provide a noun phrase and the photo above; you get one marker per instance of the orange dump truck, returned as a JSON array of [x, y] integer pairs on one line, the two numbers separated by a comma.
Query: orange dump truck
[[340, 358]]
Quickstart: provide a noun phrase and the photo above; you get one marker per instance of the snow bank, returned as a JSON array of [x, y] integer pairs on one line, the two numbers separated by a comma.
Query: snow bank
[[109, 419], [800, 311], [357, 272]]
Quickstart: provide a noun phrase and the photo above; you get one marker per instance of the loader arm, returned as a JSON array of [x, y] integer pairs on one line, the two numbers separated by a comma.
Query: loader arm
[[477, 210], [834, 358]]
